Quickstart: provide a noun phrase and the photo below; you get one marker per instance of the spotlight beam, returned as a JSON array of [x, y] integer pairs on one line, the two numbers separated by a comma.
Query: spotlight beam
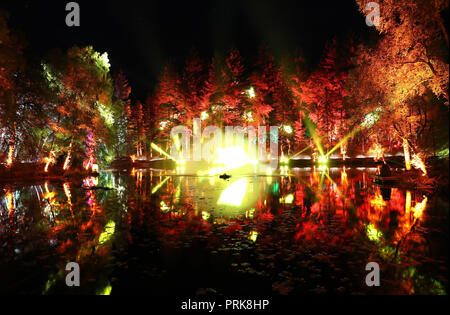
[[161, 151]]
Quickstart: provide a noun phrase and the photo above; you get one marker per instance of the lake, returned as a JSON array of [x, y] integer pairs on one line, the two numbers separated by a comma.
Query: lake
[[163, 232]]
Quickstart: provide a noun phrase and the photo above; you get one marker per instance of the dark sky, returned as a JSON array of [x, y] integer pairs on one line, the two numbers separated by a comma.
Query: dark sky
[[140, 36]]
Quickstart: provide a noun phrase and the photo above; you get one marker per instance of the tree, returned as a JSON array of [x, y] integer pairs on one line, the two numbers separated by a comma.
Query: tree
[[11, 61], [324, 92], [408, 60]]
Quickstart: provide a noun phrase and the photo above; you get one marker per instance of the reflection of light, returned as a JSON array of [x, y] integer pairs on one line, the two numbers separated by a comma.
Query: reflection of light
[[66, 162], [10, 155], [418, 163], [378, 202], [419, 208], [158, 187], [48, 194], [10, 201], [164, 207], [90, 182], [322, 168], [110, 228], [205, 216], [284, 170], [288, 199], [67, 192], [250, 213], [234, 194], [49, 160], [253, 236], [408, 202], [407, 156], [106, 290], [373, 234], [344, 179]]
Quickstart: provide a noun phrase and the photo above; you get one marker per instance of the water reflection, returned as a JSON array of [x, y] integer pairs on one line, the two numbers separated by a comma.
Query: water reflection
[[291, 232]]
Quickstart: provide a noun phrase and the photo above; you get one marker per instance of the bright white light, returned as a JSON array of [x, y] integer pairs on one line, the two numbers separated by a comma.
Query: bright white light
[[232, 157], [234, 194], [288, 129], [251, 92], [204, 116]]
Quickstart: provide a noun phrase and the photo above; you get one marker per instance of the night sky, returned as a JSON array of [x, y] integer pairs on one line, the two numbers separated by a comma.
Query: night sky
[[140, 36]]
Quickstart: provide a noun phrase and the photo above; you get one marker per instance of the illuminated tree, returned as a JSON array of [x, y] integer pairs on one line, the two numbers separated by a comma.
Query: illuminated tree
[[83, 87], [11, 61], [324, 92], [408, 61]]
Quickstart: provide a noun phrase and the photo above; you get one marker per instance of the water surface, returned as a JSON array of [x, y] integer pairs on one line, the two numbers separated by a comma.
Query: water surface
[[166, 233]]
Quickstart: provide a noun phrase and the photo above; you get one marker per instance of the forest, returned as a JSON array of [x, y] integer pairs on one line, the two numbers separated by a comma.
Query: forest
[[379, 97]]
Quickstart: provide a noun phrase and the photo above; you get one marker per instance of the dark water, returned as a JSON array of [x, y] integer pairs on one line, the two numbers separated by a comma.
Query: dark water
[[163, 234]]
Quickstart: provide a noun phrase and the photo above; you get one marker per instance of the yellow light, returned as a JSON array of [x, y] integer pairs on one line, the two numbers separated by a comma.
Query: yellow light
[[373, 234], [323, 159], [158, 187], [251, 92], [378, 202], [234, 194], [288, 129], [67, 192], [250, 213], [289, 199], [10, 201], [49, 160], [161, 151], [253, 236], [106, 291], [163, 125], [232, 157], [407, 156], [10, 155], [66, 162], [204, 116], [164, 207], [248, 116], [284, 170], [205, 216], [418, 163], [419, 208], [110, 228]]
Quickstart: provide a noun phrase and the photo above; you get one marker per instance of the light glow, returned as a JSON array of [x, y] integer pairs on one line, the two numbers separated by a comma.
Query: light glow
[[10, 156], [110, 228], [234, 194], [288, 129]]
